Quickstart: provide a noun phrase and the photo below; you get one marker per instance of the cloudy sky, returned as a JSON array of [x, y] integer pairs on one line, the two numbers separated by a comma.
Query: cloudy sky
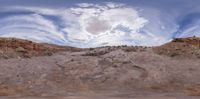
[[94, 23]]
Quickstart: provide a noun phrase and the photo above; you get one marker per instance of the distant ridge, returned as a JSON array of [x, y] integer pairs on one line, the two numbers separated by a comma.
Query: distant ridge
[[13, 47]]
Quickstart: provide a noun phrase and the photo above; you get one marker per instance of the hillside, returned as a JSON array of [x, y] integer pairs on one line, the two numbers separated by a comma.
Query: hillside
[[180, 47], [120, 72], [18, 48]]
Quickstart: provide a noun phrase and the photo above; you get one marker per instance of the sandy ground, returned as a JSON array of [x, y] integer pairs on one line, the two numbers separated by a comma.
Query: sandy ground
[[93, 97], [115, 95]]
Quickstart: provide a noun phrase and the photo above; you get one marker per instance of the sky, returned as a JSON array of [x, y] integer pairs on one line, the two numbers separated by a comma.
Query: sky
[[96, 23]]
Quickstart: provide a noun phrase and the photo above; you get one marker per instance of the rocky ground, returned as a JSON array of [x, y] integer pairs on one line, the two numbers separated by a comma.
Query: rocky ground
[[42, 71]]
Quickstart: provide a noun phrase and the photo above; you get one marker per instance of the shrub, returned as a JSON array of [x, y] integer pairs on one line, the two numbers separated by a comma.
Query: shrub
[[174, 54]]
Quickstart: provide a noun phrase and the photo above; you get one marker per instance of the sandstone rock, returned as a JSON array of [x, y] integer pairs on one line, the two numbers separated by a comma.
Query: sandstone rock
[[53, 70], [20, 49]]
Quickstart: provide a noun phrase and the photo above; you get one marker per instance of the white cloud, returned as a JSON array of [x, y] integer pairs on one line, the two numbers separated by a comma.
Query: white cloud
[[34, 27], [86, 25], [191, 30], [84, 5]]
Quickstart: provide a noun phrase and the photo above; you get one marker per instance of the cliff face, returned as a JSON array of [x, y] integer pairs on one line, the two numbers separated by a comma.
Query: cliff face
[[119, 68]]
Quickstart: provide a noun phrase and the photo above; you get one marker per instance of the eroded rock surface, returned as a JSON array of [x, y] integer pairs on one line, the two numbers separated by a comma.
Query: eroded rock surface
[[100, 69]]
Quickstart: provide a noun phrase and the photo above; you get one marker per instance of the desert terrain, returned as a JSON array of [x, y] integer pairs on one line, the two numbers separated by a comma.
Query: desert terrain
[[31, 70]]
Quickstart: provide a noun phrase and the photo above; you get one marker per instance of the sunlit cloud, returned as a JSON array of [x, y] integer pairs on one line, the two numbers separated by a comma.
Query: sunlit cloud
[[90, 25]]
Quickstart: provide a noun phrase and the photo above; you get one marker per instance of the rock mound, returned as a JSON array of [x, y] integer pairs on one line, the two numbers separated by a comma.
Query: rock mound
[[181, 47]]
